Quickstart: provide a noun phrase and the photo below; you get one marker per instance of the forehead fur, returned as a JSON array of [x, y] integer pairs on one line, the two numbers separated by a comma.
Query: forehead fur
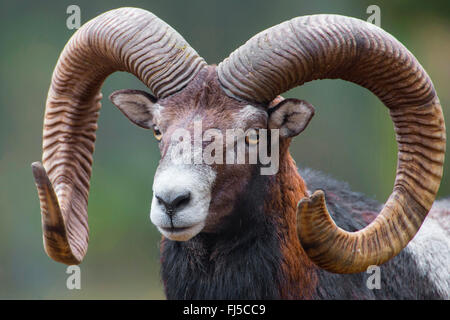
[[204, 96], [249, 113]]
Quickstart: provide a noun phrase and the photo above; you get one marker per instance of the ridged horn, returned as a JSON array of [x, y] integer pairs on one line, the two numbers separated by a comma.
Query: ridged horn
[[125, 39], [332, 46]]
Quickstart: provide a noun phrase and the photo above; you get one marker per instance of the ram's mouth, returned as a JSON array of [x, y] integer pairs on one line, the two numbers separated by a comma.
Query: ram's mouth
[[181, 233], [175, 229]]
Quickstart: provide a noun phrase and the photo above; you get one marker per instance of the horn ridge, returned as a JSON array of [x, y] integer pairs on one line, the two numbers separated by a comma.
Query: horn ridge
[[124, 39], [338, 47]]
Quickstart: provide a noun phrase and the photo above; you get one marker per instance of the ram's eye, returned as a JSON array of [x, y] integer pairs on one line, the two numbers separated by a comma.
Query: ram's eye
[[157, 134], [252, 138]]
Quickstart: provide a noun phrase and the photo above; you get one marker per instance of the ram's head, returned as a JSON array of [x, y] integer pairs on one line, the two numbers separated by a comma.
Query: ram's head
[[240, 93]]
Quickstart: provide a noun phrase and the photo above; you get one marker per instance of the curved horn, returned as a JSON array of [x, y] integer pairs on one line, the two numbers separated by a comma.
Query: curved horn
[[331, 46], [125, 39]]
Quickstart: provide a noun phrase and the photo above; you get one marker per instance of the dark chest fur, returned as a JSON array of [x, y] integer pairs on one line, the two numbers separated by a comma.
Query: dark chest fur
[[245, 261], [240, 262]]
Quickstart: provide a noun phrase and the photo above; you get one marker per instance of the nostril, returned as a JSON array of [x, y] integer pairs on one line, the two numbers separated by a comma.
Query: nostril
[[160, 200], [172, 203], [181, 200]]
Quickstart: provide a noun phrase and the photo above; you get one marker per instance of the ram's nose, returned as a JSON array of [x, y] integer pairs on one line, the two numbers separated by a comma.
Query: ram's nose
[[173, 201]]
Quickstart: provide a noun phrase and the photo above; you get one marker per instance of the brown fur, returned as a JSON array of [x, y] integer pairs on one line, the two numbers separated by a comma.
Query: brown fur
[[204, 99], [288, 189]]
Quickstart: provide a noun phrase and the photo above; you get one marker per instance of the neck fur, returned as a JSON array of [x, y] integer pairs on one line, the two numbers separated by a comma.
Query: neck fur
[[256, 256]]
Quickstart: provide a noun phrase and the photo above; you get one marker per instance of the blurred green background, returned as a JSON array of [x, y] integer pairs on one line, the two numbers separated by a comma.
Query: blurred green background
[[351, 136]]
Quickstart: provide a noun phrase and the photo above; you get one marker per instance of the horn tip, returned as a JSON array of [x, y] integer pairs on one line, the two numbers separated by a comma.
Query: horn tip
[[317, 197], [39, 173], [36, 164]]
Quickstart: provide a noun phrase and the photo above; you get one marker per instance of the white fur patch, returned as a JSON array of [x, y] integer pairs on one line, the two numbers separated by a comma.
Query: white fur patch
[[250, 112], [178, 178], [441, 213], [431, 249], [156, 112]]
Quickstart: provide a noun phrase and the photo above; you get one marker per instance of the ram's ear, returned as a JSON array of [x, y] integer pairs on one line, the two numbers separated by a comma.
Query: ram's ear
[[136, 105], [291, 116]]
